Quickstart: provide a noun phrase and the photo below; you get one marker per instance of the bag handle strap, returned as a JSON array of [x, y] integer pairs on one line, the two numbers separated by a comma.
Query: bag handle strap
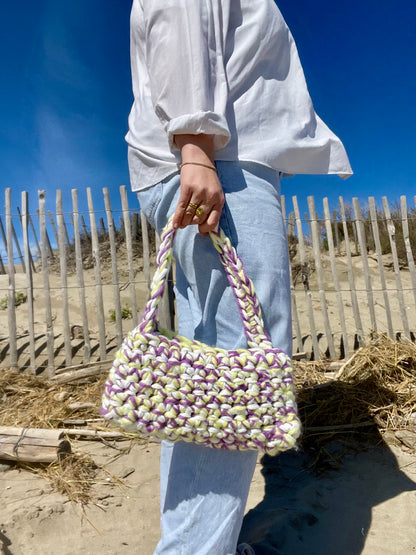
[[241, 284]]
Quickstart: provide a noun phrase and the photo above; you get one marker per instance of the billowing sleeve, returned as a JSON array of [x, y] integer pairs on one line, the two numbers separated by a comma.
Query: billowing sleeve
[[185, 63]]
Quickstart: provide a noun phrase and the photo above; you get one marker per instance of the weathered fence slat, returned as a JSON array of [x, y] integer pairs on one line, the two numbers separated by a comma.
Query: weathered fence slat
[[80, 277], [134, 225], [2, 268], [308, 222], [146, 252], [30, 261], [62, 246], [35, 237], [336, 232], [46, 237], [331, 249], [29, 282], [113, 250], [406, 237], [295, 314], [103, 230], [97, 274], [52, 222], [19, 251], [3, 235], [392, 237], [363, 248], [316, 245], [68, 242], [129, 247], [377, 244], [351, 280], [11, 309], [45, 246], [305, 280], [84, 229]]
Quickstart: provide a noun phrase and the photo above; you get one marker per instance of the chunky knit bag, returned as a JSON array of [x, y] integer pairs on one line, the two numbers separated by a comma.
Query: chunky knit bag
[[173, 388]]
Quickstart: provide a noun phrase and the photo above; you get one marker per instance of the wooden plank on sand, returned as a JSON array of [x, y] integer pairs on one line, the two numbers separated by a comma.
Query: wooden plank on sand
[[32, 444]]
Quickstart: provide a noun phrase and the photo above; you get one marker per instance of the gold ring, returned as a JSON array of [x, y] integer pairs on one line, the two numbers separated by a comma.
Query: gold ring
[[193, 206], [198, 212]]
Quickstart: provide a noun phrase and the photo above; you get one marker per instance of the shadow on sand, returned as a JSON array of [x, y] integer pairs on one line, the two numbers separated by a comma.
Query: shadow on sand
[[319, 500]]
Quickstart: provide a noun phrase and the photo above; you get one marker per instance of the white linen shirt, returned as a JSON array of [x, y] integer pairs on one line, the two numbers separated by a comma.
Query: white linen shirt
[[226, 68]]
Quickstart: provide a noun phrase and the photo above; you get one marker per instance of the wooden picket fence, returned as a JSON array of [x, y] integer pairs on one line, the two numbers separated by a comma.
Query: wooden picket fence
[[353, 273]]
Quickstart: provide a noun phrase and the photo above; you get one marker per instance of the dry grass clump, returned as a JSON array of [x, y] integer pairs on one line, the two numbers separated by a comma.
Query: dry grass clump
[[28, 400], [72, 476], [374, 392]]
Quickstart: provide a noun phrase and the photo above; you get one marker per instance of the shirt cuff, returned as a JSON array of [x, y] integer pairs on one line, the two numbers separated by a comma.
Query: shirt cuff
[[208, 123]]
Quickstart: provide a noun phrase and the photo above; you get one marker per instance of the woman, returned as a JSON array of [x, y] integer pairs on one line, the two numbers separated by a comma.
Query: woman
[[221, 110]]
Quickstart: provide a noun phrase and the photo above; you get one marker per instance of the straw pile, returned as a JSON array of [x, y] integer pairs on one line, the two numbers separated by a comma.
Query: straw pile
[[30, 401], [371, 398], [373, 394]]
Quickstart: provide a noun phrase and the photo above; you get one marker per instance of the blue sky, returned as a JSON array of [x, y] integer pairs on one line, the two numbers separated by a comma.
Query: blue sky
[[66, 94]]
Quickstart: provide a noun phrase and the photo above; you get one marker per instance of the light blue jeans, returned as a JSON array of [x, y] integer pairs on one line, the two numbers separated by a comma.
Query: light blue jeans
[[204, 490]]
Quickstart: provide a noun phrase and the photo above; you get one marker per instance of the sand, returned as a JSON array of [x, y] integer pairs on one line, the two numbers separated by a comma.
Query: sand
[[367, 505]]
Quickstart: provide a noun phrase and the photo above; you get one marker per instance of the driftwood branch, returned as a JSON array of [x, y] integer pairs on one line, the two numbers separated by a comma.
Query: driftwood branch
[[81, 374], [94, 434], [32, 444]]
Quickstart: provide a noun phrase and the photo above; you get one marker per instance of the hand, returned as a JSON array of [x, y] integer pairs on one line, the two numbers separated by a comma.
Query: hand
[[200, 186]]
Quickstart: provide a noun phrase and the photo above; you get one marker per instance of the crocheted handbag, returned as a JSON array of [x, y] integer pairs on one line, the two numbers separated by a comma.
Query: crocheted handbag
[[172, 388]]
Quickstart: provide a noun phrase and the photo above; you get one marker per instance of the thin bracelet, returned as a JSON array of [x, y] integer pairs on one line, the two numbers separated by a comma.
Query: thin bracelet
[[198, 164]]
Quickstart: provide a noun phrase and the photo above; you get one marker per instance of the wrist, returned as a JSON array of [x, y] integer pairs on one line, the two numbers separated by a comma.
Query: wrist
[[196, 148]]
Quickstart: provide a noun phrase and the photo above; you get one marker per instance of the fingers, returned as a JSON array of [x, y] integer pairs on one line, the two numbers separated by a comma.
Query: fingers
[[184, 213], [201, 199], [194, 213], [211, 221]]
